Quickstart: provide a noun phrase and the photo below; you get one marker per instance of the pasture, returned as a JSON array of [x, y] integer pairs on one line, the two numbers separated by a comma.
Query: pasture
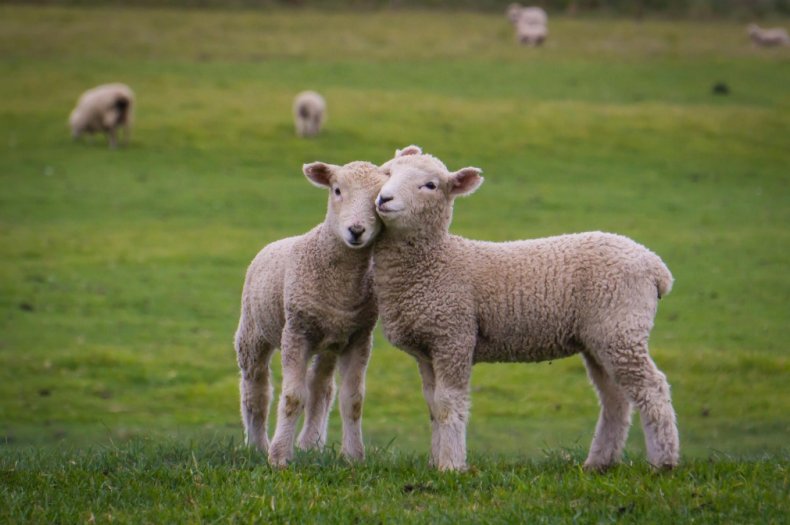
[[121, 270]]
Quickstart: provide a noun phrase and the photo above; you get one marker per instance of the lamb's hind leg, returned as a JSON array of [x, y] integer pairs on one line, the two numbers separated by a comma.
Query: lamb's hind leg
[[647, 388], [320, 394], [255, 386], [614, 419]]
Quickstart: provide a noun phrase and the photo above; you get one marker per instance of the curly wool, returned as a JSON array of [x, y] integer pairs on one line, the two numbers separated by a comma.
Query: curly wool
[[104, 109], [312, 295], [452, 302]]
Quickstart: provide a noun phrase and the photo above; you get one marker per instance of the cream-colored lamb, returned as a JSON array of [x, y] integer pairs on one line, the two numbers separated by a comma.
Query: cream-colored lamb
[[104, 109], [776, 36], [452, 302], [309, 113], [312, 297], [532, 15], [530, 23]]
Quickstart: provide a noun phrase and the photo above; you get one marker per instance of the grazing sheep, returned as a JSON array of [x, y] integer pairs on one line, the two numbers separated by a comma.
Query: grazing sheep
[[312, 296], [768, 37], [531, 24], [531, 34], [104, 109], [451, 302], [533, 15], [309, 113]]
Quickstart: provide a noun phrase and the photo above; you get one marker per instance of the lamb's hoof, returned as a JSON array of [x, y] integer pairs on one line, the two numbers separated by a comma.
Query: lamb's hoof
[[278, 459], [353, 456], [665, 466], [462, 467], [596, 466]]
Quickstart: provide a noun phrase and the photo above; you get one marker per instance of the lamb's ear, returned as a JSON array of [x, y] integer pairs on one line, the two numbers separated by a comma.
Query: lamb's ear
[[408, 150], [465, 181], [319, 173]]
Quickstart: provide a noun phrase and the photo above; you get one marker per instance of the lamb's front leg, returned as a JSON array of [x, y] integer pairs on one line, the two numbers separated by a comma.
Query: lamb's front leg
[[453, 372], [320, 394], [428, 389], [353, 365], [295, 355]]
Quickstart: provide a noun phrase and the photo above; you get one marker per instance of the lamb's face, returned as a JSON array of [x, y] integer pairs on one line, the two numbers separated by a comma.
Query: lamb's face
[[420, 192], [352, 191], [415, 193]]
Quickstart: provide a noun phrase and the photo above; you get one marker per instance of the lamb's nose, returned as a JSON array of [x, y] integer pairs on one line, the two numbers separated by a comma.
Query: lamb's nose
[[356, 231], [383, 199]]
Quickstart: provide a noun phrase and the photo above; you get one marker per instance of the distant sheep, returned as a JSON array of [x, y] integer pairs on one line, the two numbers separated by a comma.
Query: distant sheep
[[312, 296], [309, 113], [530, 23], [451, 302], [531, 15], [768, 37], [104, 109]]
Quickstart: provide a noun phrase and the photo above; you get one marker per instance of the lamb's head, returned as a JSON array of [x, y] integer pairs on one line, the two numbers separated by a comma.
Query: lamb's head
[[420, 191], [513, 12], [352, 189]]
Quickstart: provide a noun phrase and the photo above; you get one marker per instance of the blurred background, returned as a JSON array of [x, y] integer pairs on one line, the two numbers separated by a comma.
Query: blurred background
[[121, 269]]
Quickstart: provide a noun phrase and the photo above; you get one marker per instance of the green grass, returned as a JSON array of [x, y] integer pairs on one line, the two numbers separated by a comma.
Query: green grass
[[121, 271], [145, 482]]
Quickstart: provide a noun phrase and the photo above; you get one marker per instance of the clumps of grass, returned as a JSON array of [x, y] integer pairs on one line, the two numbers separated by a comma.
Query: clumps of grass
[[168, 481]]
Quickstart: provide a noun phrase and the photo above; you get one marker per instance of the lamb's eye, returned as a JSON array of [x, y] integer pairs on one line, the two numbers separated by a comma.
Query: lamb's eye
[[430, 185], [337, 192]]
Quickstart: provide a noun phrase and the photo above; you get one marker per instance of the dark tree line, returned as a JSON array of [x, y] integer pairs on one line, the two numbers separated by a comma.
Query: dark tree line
[[698, 8]]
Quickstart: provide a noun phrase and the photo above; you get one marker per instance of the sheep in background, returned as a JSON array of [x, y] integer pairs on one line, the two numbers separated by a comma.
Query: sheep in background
[[312, 296], [768, 37], [530, 15], [309, 113], [531, 34], [451, 302], [104, 109], [530, 23]]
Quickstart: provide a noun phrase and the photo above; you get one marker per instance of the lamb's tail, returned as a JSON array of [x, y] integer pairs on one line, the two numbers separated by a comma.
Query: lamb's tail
[[663, 277]]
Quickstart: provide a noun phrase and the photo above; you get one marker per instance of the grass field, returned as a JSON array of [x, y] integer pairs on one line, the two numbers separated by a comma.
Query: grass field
[[121, 271]]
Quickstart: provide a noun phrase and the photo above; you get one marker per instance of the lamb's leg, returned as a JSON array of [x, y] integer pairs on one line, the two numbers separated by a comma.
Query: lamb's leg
[[353, 365], [613, 422], [254, 356], [451, 404], [111, 135], [428, 389], [295, 356], [647, 388], [320, 394]]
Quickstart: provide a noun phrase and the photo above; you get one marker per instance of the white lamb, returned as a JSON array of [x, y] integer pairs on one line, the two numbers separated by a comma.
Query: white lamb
[[104, 109], [312, 296], [532, 15], [309, 113], [451, 302], [531, 24], [531, 34], [768, 37]]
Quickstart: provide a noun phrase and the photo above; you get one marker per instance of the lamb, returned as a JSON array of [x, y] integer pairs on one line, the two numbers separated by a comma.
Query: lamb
[[531, 24], [309, 113], [532, 15], [312, 296], [531, 34], [105, 108], [768, 37], [451, 302]]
